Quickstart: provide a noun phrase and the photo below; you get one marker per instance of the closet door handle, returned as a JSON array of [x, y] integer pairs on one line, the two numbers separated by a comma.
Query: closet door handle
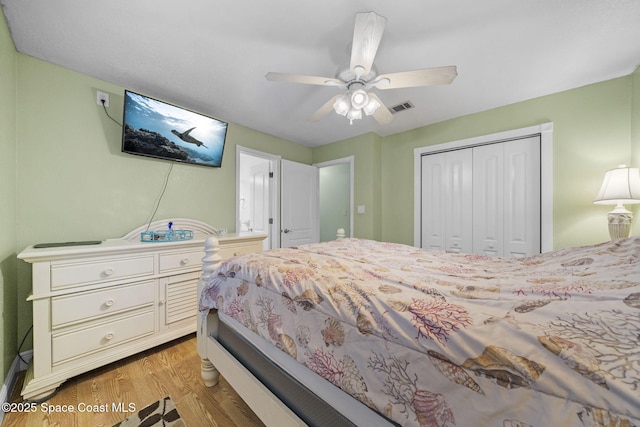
[[286, 230]]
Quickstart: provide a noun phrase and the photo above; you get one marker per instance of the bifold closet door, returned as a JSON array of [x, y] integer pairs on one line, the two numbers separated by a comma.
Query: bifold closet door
[[506, 198], [522, 197], [488, 199], [483, 199], [432, 202], [447, 201]]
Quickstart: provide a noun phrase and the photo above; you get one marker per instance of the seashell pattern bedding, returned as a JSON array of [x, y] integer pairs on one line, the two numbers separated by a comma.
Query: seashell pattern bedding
[[429, 338]]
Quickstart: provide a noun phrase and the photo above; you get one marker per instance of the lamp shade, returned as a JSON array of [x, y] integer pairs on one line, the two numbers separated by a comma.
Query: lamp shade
[[371, 106], [359, 99], [620, 186], [342, 105]]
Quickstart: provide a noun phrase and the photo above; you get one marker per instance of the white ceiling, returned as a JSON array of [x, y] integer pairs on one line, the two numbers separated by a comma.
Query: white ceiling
[[212, 56]]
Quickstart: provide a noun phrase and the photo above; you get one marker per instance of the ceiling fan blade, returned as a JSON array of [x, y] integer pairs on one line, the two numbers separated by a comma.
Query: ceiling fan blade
[[324, 110], [382, 115], [425, 77], [367, 34], [309, 80]]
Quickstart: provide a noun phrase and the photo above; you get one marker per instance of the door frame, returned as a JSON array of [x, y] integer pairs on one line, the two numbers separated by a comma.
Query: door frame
[[350, 161], [274, 191], [545, 130]]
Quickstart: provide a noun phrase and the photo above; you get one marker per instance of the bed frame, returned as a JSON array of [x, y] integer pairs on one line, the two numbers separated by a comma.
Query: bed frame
[[266, 405]]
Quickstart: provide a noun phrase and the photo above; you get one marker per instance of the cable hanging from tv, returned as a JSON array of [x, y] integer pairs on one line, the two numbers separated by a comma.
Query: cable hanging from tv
[[107, 113], [164, 188]]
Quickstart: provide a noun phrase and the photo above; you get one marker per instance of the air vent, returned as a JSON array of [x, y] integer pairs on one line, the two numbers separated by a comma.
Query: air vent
[[401, 107]]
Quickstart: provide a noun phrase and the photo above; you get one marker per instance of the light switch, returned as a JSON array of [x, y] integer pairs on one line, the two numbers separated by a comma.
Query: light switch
[[360, 209]]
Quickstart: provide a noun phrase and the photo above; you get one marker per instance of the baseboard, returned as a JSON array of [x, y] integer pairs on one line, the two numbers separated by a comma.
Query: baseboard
[[20, 363]]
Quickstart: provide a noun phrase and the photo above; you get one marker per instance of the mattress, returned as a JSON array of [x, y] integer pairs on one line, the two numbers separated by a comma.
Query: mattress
[[317, 402], [428, 338]]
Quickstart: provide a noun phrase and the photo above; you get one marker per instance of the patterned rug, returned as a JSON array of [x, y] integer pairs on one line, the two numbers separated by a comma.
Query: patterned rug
[[161, 413]]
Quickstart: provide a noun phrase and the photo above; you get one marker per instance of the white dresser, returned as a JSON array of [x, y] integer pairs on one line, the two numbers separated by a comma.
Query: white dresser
[[96, 304]]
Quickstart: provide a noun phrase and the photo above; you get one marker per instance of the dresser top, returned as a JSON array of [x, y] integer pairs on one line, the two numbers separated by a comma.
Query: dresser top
[[115, 246]]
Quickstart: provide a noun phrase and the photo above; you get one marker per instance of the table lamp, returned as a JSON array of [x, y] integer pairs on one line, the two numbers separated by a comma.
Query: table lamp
[[620, 186]]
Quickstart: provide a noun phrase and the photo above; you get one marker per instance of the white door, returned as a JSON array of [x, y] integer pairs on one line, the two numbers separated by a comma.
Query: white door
[[506, 198], [299, 200], [432, 209], [458, 210], [447, 201], [488, 199], [522, 197]]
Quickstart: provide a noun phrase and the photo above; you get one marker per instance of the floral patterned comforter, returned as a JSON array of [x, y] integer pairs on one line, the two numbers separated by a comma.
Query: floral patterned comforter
[[430, 338]]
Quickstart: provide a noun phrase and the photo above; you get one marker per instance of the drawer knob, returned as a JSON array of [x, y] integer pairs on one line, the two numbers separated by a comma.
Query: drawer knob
[[184, 261], [108, 272], [109, 336], [109, 302]]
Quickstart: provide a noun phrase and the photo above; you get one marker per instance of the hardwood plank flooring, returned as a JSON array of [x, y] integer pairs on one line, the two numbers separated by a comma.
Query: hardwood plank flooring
[[172, 369]]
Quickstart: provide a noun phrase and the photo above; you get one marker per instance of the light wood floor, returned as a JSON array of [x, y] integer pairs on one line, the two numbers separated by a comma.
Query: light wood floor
[[172, 370]]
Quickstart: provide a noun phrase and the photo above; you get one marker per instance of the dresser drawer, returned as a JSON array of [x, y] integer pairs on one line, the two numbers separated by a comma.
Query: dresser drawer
[[98, 336], [99, 270], [181, 260], [86, 305]]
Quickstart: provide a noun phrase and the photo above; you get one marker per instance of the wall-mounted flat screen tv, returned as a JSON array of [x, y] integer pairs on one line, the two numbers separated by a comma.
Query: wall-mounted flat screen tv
[[156, 129]]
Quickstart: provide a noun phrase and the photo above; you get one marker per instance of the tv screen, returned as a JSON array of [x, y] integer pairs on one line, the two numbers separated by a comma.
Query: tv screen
[[156, 129]]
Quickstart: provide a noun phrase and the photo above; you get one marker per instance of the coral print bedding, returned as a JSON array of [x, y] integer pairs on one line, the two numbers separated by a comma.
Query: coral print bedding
[[429, 338]]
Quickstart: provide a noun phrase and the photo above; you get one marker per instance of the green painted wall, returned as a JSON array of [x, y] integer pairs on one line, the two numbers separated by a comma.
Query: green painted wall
[[8, 245]]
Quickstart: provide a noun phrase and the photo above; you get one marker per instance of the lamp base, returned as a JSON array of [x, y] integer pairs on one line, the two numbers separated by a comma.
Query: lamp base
[[619, 224]]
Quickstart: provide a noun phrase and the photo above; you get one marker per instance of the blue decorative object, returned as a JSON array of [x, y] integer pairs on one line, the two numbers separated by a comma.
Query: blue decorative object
[[169, 235]]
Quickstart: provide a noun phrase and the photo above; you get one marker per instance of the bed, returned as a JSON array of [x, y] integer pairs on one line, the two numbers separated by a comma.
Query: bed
[[390, 334]]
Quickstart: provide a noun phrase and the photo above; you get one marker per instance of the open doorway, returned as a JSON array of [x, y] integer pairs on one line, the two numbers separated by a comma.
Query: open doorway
[[257, 194], [336, 198]]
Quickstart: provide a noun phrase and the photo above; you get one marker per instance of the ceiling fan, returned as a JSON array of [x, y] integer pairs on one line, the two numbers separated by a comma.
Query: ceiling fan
[[357, 80]]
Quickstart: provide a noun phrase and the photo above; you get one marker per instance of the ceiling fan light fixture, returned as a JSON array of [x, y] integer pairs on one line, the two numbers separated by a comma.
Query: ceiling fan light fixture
[[354, 114], [359, 98], [342, 105], [371, 106]]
